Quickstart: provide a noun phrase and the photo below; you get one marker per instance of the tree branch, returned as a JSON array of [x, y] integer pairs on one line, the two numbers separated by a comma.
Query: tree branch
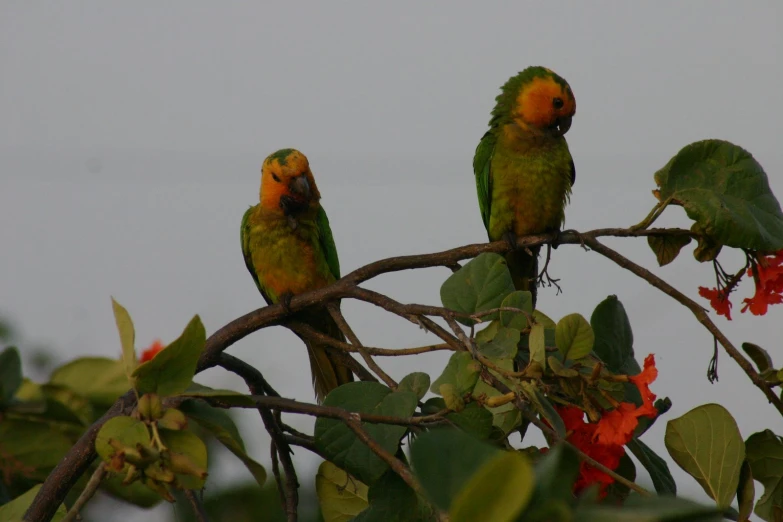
[[89, 491], [198, 507]]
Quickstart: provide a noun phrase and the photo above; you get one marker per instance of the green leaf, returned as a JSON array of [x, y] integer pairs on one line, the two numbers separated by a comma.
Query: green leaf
[[499, 490], [127, 339], [99, 379], [521, 300], [63, 404], [746, 493], [502, 345], [617, 492], [543, 407], [171, 371], [189, 444], [574, 337], [649, 509], [725, 190], [759, 355], [10, 374], [543, 319], [341, 496], [505, 416], [614, 342], [765, 457], [556, 473], [416, 382], [707, 444], [35, 447], [14, 511], [473, 419], [538, 345], [136, 493], [667, 247], [462, 372], [480, 285], [220, 425], [340, 445], [127, 430], [655, 466], [392, 500], [559, 369], [445, 460]]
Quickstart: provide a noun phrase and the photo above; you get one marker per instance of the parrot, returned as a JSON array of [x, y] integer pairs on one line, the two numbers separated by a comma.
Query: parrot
[[288, 248], [523, 168]]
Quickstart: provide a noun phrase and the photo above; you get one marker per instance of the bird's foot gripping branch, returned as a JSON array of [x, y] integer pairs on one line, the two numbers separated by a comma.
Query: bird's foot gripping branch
[[455, 447]]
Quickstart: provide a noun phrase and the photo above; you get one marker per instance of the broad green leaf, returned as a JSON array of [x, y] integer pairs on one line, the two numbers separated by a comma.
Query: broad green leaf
[[136, 493], [521, 300], [542, 405], [488, 333], [706, 443], [505, 416], [499, 490], [392, 500], [14, 511], [445, 460], [171, 371], [538, 345], [666, 248], [724, 189], [473, 419], [127, 430], [543, 319], [462, 372], [759, 355], [617, 492], [99, 379], [559, 369], [746, 493], [555, 476], [480, 285], [189, 444], [339, 443], [707, 249], [765, 457], [649, 509], [10, 374], [64, 404], [341, 496], [220, 425], [655, 466], [574, 337], [127, 339], [416, 382], [34, 447], [614, 342], [502, 345]]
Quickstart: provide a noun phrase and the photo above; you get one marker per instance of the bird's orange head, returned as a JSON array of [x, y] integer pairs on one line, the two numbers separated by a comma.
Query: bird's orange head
[[536, 100], [287, 182]]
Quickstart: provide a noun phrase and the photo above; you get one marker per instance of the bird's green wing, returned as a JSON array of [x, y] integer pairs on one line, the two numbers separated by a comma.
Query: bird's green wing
[[573, 172], [482, 161], [326, 241], [247, 253]]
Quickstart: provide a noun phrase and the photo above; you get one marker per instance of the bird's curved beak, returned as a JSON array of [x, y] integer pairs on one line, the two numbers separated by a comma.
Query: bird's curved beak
[[300, 186], [561, 125]]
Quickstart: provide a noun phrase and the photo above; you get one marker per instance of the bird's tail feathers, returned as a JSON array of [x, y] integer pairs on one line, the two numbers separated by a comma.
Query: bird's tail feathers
[[524, 270]]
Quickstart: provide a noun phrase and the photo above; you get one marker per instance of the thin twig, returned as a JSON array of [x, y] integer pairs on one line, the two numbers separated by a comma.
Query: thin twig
[[308, 331], [345, 328], [87, 493], [198, 506]]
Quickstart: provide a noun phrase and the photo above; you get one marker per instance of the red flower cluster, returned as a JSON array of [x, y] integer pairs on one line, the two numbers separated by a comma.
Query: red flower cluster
[[152, 351], [604, 440], [769, 288]]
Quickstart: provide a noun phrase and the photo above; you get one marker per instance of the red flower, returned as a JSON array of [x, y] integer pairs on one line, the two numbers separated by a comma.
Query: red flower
[[617, 426], [718, 300], [769, 284], [152, 351]]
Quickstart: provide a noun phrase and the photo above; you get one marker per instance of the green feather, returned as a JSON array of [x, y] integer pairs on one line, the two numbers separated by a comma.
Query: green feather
[[482, 162], [327, 242]]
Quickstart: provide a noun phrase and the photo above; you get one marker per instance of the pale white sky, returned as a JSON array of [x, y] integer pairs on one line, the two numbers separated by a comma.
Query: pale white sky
[[131, 138]]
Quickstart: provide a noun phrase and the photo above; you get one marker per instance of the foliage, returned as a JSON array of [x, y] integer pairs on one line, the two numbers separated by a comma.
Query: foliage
[[393, 453]]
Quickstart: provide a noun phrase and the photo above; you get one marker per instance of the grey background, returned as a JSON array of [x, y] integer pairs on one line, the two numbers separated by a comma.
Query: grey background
[[131, 137]]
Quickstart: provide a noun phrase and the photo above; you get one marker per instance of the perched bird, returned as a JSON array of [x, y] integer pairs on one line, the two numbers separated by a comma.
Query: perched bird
[[524, 171], [288, 248]]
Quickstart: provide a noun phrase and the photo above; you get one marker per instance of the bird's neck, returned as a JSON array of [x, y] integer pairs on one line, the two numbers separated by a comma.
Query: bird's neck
[[514, 137]]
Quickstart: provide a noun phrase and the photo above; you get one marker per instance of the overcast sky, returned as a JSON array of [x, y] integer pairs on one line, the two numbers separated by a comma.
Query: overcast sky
[[131, 137]]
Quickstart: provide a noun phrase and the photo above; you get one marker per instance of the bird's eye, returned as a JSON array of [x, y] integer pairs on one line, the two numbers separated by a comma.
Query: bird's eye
[[557, 103], [274, 177]]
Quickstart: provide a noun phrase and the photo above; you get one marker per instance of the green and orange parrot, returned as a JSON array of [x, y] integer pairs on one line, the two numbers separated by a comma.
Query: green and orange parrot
[[524, 171], [289, 249]]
